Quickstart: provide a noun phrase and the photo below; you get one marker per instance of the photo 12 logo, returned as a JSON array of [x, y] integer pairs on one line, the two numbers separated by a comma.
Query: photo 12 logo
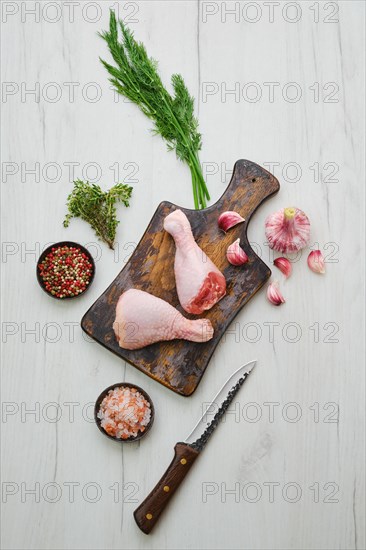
[[68, 171], [67, 11], [269, 12], [91, 492], [289, 171], [273, 411], [270, 92], [271, 492], [53, 92]]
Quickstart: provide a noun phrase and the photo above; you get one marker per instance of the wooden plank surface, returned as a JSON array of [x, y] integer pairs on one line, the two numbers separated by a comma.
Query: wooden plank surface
[[300, 418]]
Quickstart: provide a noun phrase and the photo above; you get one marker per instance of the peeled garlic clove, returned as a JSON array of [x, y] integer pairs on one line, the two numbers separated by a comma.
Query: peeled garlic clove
[[235, 254], [284, 265], [274, 295], [316, 261], [228, 219], [288, 230]]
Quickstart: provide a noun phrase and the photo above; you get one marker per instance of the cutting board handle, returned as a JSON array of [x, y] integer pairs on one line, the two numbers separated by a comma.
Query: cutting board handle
[[149, 511], [249, 187]]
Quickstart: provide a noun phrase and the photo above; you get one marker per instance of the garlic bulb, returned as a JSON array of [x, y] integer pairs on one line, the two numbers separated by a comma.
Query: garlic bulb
[[288, 230], [274, 295], [284, 265], [228, 219], [235, 254], [316, 261]]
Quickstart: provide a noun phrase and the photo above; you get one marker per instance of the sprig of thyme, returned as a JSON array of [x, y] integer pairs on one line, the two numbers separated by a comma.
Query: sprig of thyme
[[98, 208], [136, 77]]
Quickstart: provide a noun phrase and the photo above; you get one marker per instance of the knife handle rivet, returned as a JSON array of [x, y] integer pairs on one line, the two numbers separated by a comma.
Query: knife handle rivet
[[183, 461], [166, 488], [148, 516]]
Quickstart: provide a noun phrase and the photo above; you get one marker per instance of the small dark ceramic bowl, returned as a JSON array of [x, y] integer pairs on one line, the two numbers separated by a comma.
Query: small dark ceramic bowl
[[102, 396], [57, 245]]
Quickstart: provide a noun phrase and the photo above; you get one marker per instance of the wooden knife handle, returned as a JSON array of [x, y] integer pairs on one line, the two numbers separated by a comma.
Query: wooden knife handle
[[149, 511]]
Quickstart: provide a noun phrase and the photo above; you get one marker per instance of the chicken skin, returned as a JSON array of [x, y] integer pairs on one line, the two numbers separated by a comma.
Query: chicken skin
[[200, 284], [143, 319]]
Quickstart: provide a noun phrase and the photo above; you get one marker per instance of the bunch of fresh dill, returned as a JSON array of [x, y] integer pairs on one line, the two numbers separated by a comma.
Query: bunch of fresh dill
[[98, 208], [136, 77]]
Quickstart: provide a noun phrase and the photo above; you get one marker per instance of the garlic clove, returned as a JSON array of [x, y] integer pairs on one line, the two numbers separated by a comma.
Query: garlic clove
[[235, 254], [284, 265], [228, 219], [274, 295], [288, 230], [316, 261]]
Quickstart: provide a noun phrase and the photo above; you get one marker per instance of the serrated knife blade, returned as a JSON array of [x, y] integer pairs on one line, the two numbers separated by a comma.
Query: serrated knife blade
[[218, 406], [149, 511]]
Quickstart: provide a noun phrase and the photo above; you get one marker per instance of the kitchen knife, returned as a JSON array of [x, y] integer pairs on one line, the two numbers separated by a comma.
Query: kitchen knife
[[149, 511]]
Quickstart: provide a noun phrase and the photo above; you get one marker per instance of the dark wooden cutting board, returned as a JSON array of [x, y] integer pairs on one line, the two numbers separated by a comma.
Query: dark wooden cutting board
[[179, 364]]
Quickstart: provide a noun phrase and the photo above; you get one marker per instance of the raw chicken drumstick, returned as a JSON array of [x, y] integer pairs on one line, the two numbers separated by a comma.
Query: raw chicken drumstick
[[142, 319], [199, 283]]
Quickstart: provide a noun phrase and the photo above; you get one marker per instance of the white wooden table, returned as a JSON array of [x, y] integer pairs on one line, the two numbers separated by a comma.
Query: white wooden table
[[279, 83]]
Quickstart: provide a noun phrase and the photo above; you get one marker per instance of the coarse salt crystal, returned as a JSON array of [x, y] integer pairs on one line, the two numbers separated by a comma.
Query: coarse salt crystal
[[124, 412]]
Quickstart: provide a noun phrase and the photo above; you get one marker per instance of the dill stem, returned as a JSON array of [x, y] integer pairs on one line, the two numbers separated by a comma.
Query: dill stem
[[194, 187], [201, 203], [198, 182]]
